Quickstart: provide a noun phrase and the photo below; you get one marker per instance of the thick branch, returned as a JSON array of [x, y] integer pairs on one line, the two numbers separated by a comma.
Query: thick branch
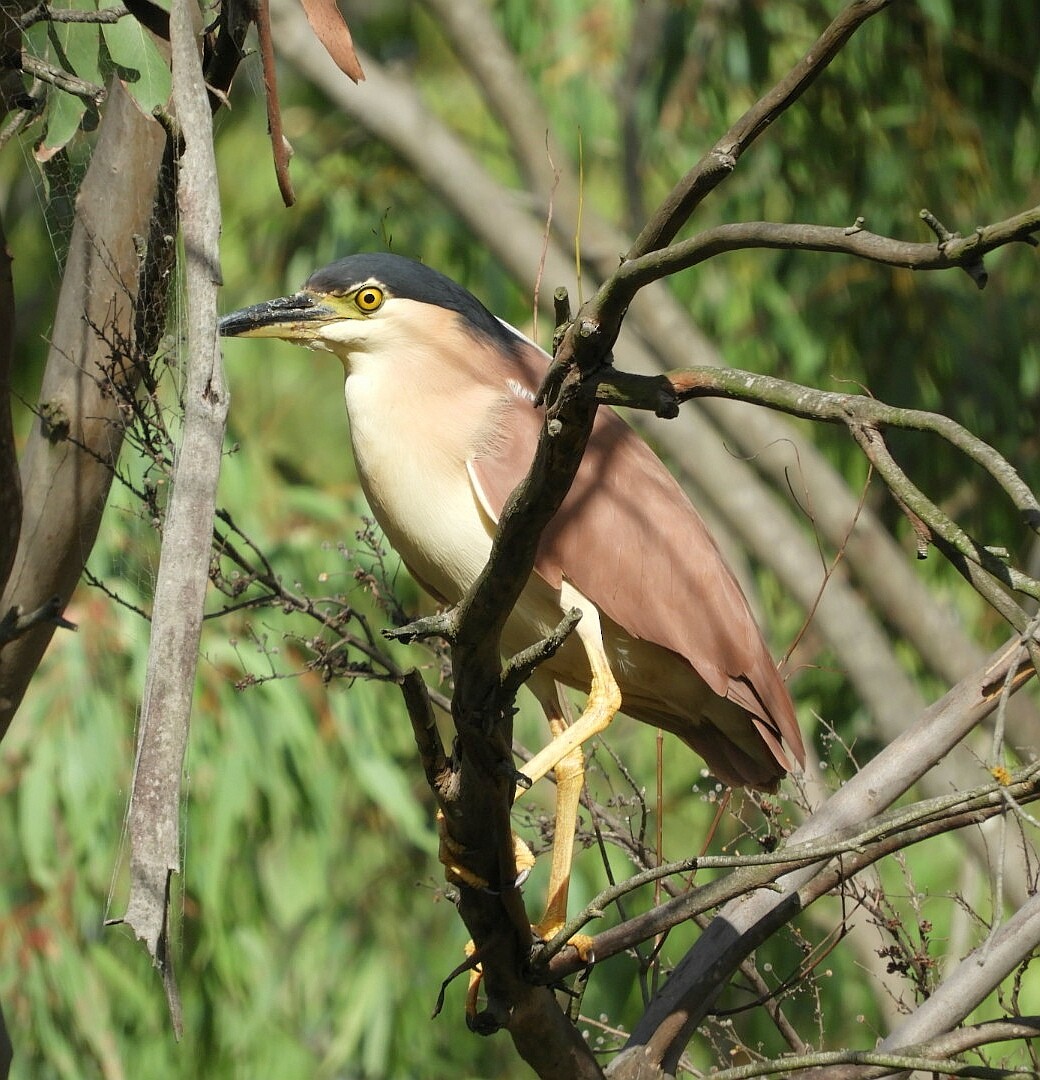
[[477, 818]]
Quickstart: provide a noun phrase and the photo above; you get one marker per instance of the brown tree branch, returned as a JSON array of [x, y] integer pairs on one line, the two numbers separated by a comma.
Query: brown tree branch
[[477, 801], [955, 251], [43, 12]]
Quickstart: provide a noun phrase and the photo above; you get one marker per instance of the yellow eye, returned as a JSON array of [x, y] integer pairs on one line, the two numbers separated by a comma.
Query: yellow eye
[[369, 298]]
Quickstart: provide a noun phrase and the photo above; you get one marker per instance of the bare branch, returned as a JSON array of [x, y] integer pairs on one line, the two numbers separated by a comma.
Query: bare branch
[[15, 622], [952, 1042], [43, 12], [59, 77], [955, 251], [883, 1064], [184, 560]]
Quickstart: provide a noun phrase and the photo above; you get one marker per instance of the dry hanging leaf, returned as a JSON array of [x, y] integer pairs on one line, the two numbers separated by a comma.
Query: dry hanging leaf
[[332, 31]]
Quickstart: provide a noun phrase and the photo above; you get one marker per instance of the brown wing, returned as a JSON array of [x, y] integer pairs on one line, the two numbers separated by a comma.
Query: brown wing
[[628, 538]]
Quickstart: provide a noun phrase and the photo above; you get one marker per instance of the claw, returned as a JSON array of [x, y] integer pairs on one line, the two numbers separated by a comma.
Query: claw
[[476, 976], [450, 855]]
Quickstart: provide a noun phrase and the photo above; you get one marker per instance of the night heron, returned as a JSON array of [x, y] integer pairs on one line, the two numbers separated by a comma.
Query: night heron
[[441, 402]]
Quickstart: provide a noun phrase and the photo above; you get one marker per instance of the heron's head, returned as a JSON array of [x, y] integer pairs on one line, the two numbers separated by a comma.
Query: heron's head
[[375, 304]]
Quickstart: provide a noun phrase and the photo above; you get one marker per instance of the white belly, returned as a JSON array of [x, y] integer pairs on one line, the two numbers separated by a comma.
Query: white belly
[[413, 473]]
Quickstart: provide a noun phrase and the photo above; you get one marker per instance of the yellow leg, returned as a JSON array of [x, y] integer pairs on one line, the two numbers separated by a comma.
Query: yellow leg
[[603, 702], [570, 776], [476, 977], [564, 754]]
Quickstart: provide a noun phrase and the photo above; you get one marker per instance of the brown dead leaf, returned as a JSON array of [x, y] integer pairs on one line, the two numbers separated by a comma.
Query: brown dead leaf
[[332, 31]]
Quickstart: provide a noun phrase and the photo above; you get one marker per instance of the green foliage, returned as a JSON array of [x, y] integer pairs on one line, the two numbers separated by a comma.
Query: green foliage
[[311, 893], [93, 54]]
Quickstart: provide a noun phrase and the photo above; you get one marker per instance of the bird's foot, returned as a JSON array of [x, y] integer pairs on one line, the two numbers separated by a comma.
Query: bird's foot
[[543, 931], [549, 927], [452, 854]]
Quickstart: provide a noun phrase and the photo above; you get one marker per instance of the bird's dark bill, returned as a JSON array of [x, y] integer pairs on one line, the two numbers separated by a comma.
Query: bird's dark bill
[[273, 317]]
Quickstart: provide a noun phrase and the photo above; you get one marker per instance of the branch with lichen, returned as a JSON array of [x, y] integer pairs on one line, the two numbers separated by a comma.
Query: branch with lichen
[[949, 251]]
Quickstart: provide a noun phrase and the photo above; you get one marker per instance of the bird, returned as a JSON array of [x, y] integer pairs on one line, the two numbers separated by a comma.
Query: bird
[[442, 404]]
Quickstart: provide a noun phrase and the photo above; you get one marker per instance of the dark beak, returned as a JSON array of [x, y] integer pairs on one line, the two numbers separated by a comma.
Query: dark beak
[[272, 315]]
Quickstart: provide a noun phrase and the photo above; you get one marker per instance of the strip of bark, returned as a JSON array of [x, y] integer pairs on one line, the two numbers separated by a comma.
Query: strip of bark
[[67, 468]]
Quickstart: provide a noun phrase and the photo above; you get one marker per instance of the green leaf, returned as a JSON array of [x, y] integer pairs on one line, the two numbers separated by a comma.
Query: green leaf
[[64, 113], [138, 64], [74, 48], [82, 49]]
